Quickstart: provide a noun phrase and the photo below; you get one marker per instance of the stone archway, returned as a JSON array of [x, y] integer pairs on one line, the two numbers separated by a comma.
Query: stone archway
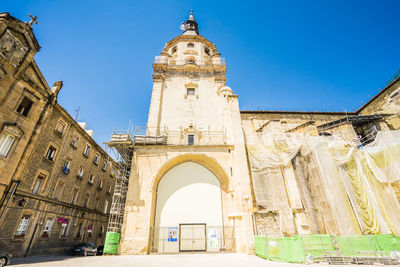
[[210, 166]]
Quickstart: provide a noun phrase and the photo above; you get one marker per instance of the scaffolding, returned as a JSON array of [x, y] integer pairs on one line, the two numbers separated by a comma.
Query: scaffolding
[[121, 144]]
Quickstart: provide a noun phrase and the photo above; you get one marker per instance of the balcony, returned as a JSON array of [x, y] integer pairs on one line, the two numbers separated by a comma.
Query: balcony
[[177, 138], [215, 61]]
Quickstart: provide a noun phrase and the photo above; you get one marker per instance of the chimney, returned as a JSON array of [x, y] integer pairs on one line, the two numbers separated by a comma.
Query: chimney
[[82, 124], [57, 87]]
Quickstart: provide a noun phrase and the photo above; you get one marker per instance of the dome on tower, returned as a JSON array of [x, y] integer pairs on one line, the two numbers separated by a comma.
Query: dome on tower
[[190, 27]]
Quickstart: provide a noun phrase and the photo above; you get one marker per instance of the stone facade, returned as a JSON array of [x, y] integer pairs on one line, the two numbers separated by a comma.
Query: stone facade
[[199, 119], [195, 117], [24, 96], [58, 181]]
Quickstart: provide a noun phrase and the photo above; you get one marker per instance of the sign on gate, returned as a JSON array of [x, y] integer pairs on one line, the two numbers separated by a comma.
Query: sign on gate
[[173, 234], [212, 237]]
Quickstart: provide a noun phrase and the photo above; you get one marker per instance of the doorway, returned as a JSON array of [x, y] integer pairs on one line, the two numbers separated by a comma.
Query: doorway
[[192, 237]]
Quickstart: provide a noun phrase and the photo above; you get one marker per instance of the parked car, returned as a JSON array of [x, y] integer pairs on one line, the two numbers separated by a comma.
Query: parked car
[[85, 249], [5, 259], [100, 250]]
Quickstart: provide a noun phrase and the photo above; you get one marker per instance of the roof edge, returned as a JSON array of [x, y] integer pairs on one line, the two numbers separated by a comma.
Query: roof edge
[[296, 112], [378, 94]]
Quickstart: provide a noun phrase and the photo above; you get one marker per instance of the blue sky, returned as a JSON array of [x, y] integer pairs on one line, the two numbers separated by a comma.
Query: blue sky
[[281, 55]]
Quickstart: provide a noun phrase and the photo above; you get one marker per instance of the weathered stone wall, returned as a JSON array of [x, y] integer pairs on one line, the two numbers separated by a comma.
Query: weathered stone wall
[[19, 78], [386, 102], [43, 205]]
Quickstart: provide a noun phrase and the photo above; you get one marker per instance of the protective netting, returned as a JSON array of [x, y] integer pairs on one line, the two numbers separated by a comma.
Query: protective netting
[[299, 247], [317, 245], [327, 185], [260, 246], [287, 249], [111, 243]]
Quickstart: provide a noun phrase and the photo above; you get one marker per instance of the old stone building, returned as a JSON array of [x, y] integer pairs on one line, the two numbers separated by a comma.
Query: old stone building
[[25, 96], [208, 177], [58, 181]]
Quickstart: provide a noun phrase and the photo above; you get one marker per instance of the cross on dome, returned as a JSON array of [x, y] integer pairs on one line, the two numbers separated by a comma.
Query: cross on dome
[[33, 20]]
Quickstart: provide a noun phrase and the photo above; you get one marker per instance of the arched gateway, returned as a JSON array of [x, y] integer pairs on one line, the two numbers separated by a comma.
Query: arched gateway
[[189, 188], [188, 212]]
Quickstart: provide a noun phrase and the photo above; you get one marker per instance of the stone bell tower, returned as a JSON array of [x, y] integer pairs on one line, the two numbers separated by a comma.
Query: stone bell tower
[[189, 163]]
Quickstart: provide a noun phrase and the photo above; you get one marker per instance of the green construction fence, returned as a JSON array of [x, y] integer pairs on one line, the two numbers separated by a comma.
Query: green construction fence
[[296, 248], [111, 243]]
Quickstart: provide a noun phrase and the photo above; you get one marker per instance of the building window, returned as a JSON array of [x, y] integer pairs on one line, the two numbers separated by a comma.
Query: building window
[[51, 152], [105, 206], [60, 128], [65, 228], [173, 51], [104, 166], [190, 45], [38, 183], [24, 106], [74, 197], [91, 179], [101, 231], [206, 50], [80, 172], [394, 95], [66, 166], [86, 201], [112, 172], [23, 226], [6, 141], [190, 61], [109, 189], [86, 151], [96, 159], [74, 141], [90, 230], [47, 228], [96, 204], [190, 91], [190, 139], [78, 234], [100, 185], [59, 190]]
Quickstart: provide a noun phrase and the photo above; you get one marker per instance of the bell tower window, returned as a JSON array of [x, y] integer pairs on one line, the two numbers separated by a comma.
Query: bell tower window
[[190, 139], [190, 45], [190, 91], [173, 51], [207, 51]]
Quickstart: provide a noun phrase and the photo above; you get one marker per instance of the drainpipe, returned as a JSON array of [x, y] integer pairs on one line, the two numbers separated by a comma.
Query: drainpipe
[[33, 235], [17, 182]]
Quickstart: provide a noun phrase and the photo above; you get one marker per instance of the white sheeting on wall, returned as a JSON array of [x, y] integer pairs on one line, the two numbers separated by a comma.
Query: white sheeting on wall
[[357, 181]]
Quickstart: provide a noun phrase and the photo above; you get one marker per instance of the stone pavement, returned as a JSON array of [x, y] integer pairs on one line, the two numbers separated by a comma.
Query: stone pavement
[[176, 260]]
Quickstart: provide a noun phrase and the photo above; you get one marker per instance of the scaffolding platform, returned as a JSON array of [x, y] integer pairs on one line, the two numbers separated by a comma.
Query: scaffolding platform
[[121, 144]]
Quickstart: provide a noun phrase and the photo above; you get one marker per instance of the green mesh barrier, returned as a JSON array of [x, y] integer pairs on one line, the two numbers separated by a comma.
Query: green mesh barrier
[[287, 249], [295, 249], [317, 245], [387, 243], [260, 246], [354, 245], [111, 243], [110, 249]]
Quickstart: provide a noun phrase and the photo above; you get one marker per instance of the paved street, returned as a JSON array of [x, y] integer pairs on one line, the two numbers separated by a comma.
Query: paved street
[[191, 260]]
